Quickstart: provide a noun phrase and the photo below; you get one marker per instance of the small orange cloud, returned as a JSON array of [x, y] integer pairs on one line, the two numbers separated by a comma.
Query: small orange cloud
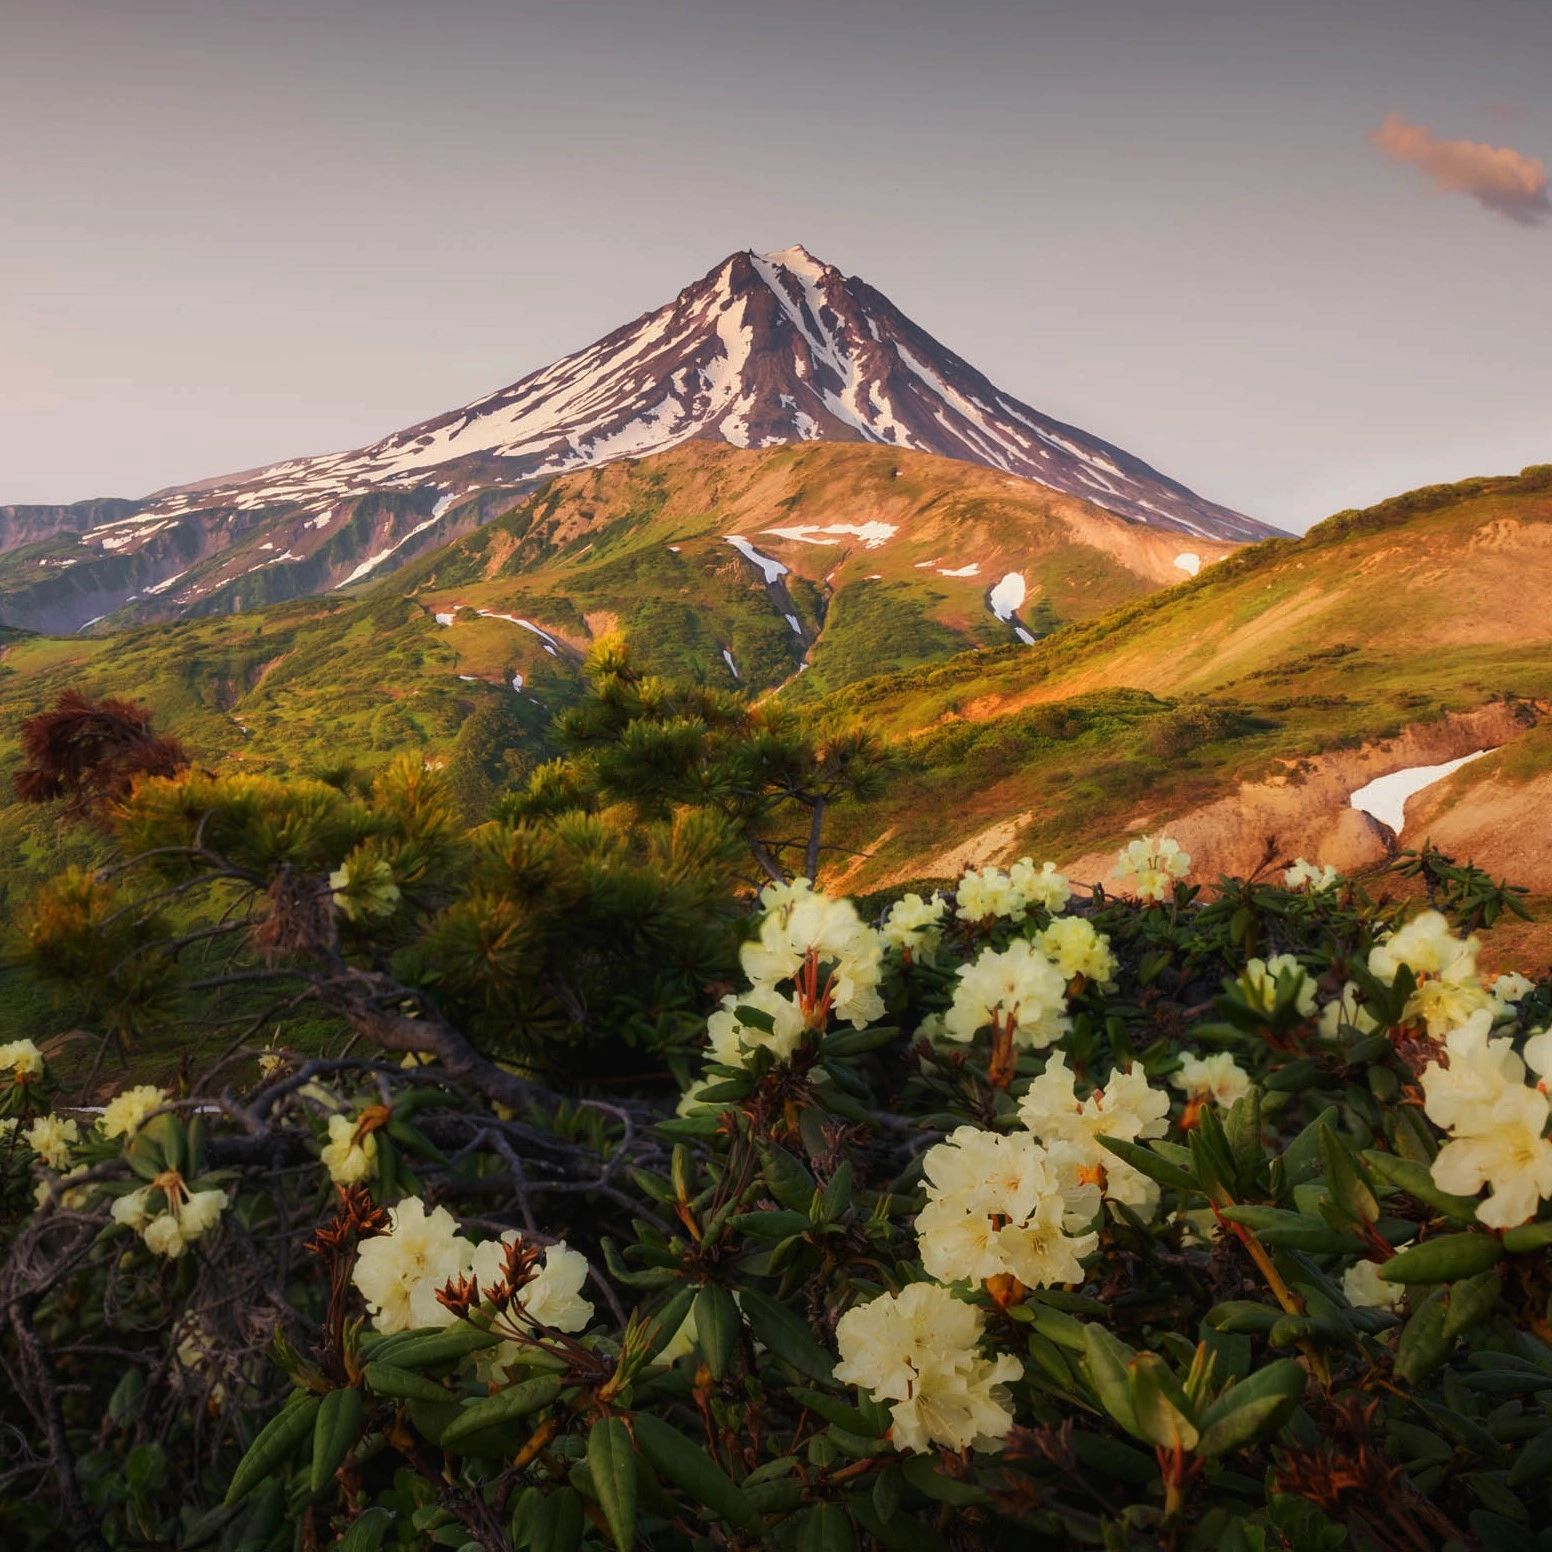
[[1502, 179]]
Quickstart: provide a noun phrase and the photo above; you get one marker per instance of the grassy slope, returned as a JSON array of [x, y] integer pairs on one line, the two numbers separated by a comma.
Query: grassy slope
[[1426, 604], [359, 677], [644, 542]]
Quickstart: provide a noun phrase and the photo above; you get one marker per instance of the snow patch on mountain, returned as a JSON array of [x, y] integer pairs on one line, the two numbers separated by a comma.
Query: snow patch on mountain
[[765, 349], [1006, 596], [872, 534], [770, 568]]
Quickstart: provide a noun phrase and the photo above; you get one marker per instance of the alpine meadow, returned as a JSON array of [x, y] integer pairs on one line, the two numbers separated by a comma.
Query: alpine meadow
[[751, 941]]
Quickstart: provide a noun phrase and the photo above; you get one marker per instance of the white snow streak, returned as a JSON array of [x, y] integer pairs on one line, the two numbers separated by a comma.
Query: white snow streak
[[373, 562], [770, 569], [872, 534], [1385, 797], [1007, 595]]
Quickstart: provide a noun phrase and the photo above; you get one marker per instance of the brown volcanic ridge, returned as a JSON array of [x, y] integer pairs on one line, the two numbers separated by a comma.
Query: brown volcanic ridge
[[764, 350]]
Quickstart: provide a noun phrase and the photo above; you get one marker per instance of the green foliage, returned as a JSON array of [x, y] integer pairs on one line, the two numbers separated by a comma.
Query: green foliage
[[1218, 1370]]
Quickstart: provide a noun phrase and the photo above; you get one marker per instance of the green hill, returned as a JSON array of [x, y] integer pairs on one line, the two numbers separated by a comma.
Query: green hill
[[434, 657], [1272, 684]]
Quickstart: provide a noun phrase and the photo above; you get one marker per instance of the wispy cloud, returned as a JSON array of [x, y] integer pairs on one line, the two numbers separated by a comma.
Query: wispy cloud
[[1501, 179]]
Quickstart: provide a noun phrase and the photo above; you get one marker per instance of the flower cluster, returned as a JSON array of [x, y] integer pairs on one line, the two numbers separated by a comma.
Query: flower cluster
[[1311, 877], [51, 1138], [1003, 1205], [919, 1349], [1449, 990], [126, 1113], [1127, 1108], [989, 893], [1497, 1122], [183, 1216], [1346, 1012], [914, 926], [814, 957], [1148, 868], [1017, 986], [1077, 948], [22, 1060], [400, 1273], [1218, 1078]]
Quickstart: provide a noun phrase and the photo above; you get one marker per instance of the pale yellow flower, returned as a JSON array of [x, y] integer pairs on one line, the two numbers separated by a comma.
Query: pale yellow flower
[[125, 1113], [50, 1137], [347, 1158], [22, 1059], [1217, 1077]]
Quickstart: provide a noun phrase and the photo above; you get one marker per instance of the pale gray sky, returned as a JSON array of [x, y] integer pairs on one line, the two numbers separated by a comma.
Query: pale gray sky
[[232, 231]]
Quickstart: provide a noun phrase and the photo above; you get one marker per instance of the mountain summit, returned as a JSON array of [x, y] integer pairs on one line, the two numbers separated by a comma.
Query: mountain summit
[[765, 350]]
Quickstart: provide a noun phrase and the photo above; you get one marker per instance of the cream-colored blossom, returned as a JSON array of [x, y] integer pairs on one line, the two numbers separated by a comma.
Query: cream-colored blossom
[[1512, 987], [848, 951], [734, 1042], [1428, 946], [50, 1137], [399, 1273], [780, 897], [1217, 1077], [22, 1060], [554, 1296], [131, 1209], [73, 1198], [1076, 947], [1460, 1093], [1259, 980], [914, 925], [184, 1217], [125, 1113], [985, 893], [196, 1354], [1538, 1057], [1448, 990], [1017, 983], [1510, 1154], [1364, 1288], [348, 1158], [919, 1349], [690, 1102], [1042, 886], [1001, 1203], [1347, 1012], [1127, 1108], [1311, 876], [1148, 868], [932, 1028]]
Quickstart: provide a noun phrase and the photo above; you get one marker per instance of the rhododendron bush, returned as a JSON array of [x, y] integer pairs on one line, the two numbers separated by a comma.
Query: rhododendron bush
[[1013, 1214]]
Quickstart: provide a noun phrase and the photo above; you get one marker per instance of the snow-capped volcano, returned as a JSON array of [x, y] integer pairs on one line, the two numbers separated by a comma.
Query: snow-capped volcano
[[767, 348]]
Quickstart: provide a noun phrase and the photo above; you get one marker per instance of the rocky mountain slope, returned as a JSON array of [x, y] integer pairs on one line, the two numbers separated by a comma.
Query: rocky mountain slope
[[1243, 708], [764, 350]]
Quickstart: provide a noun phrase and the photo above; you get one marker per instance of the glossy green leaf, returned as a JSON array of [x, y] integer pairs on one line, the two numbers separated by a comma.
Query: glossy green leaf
[[684, 1462], [611, 1461]]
